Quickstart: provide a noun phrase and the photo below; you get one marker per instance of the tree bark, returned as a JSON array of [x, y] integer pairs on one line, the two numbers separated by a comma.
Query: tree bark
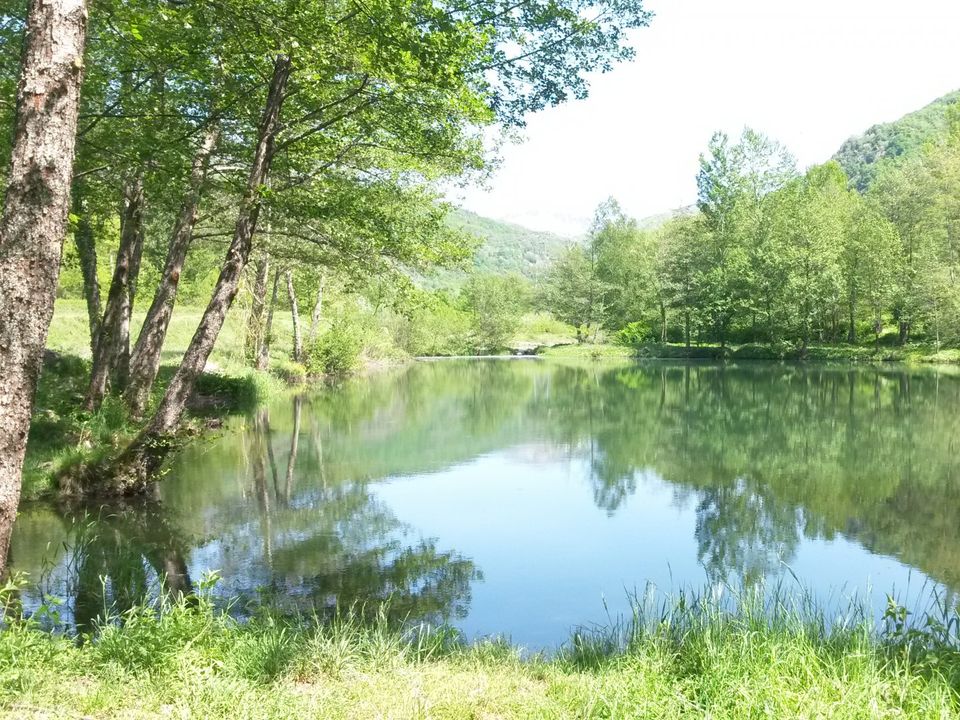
[[34, 223], [87, 252], [254, 339], [263, 354], [295, 313], [316, 315], [136, 466], [145, 358], [112, 358]]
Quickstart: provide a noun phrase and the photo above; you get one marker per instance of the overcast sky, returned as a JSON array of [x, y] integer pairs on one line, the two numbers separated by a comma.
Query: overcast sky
[[809, 73]]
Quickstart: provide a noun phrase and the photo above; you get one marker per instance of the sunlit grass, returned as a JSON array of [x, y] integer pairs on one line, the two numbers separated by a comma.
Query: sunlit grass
[[687, 657]]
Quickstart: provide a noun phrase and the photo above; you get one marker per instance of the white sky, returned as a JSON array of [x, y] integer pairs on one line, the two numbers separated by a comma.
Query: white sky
[[809, 73]]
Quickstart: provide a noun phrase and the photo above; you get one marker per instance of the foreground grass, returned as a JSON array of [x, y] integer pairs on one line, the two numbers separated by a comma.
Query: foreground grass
[[687, 659]]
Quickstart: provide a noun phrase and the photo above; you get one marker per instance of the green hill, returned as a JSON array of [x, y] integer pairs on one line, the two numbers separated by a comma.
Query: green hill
[[655, 222], [861, 155], [509, 248]]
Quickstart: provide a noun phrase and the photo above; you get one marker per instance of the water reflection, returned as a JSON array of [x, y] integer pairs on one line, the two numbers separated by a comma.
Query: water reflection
[[104, 559], [402, 486]]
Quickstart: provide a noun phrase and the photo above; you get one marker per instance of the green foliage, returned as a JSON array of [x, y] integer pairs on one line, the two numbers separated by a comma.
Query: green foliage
[[506, 248], [863, 157], [495, 304], [435, 327], [337, 351], [635, 333], [773, 256]]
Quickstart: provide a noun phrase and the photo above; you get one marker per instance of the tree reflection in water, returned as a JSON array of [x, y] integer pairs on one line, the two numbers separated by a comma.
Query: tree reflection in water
[[288, 509]]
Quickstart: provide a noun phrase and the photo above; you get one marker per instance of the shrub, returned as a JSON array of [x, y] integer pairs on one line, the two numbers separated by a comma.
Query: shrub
[[635, 333], [337, 351]]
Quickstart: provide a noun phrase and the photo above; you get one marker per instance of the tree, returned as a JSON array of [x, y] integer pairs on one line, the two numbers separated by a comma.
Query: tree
[[809, 218], [33, 224], [681, 242], [495, 304], [573, 292], [410, 102], [907, 193], [867, 265], [732, 183]]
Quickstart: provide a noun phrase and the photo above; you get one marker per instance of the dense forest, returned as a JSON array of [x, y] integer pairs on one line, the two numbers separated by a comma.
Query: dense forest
[[777, 256]]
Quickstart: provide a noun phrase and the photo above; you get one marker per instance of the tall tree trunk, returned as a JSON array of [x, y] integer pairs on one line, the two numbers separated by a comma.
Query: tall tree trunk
[[34, 223], [139, 462], [904, 335], [263, 354], [316, 315], [145, 358], [258, 306], [87, 252], [111, 361], [295, 313], [137, 210]]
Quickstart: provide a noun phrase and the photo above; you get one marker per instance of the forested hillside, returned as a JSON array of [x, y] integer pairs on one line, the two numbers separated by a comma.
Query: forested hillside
[[508, 248], [861, 156]]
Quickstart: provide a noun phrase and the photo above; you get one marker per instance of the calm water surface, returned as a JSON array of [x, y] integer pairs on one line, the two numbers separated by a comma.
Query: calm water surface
[[529, 497]]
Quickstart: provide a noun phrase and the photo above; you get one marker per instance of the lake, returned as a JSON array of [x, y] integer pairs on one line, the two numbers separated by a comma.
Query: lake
[[529, 497]]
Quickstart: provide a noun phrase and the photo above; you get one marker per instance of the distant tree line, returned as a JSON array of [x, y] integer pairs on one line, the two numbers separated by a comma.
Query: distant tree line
[[772, 255]]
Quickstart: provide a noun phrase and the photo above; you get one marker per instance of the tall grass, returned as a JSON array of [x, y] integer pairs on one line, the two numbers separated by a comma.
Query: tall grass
[[755, 655]]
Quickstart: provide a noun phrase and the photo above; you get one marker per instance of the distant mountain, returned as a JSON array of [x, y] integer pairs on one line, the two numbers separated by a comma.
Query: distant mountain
[[509, 248], [655, 222], [861, 156]]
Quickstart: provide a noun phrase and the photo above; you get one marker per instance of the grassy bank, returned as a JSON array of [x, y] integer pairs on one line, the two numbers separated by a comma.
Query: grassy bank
[[63, 436], [685, 659], [781, 352]]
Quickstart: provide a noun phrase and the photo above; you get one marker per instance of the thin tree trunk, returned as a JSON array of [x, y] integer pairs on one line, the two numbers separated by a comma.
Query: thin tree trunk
[[295, 313], [134, 469], [317, 314], [111, 361], [258, 306], [145, 359], [137, 210], [263, 356], [34, 223], [87, 251], [852, 329]]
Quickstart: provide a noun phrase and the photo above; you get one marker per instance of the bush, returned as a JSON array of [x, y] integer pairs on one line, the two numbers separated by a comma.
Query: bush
[[337, 351], [436, 329], [636, 333]]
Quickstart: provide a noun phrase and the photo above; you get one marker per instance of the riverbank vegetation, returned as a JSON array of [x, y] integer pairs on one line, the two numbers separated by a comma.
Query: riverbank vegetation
[[685, 657]]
